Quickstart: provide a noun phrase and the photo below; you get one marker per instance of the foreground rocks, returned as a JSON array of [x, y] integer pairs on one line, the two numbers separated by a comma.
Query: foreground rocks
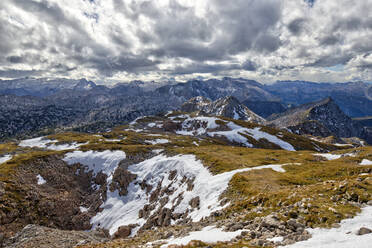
[[44, 237], [363, 231]]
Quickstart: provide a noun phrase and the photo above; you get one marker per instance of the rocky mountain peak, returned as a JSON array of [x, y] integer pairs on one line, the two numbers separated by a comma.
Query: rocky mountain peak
[[84, 84], [227, 106], [322, 118]]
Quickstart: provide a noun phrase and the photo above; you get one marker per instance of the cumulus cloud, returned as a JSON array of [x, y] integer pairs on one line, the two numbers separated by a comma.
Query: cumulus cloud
[[120, 40]]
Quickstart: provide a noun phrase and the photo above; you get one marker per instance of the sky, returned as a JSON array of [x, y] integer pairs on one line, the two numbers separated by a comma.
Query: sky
[[123, 40]]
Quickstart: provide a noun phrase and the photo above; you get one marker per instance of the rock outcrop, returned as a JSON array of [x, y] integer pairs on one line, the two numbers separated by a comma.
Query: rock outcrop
[[227, 107]]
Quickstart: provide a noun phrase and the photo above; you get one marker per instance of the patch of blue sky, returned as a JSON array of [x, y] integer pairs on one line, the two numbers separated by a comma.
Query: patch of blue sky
[[338, 67]]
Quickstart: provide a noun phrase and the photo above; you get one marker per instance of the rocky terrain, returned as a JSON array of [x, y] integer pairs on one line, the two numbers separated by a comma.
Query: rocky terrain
[[167, 180]]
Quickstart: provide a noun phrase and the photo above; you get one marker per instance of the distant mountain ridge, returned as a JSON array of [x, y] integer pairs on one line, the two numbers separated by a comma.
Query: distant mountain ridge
[[352, 97], [85, 103], [323, 118]]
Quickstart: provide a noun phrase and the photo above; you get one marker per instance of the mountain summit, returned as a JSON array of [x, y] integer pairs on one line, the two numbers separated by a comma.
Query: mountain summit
[[227, 106], [84, 84], [322, 118]]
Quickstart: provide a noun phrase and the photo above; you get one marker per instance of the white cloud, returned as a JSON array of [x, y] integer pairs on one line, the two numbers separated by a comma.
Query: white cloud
[[142, 39]]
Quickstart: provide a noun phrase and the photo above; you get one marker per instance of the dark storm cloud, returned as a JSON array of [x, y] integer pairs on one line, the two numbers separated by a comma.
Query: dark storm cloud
[[328, 61], [14, 59], [245, 22], [296, 26], [249, 65], [186, 34], [267, 43], [124, 62], [330, 40], [19, 73], [47, 12]]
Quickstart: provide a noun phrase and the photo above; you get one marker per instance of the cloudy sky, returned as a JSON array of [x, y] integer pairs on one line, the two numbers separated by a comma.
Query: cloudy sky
[[121, 40]]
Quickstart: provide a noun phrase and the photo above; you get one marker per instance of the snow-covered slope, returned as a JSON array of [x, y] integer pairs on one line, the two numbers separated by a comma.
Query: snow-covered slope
[[231, 131], [174, 182]]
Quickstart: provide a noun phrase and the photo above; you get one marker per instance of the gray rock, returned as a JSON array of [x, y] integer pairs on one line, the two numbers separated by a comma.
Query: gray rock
[[195, 202], [236, 227], [271, 221], [363, 231], [293, 224]]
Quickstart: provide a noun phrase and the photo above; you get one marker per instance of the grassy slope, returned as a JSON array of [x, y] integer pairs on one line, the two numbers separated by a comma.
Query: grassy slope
[[315, 178]]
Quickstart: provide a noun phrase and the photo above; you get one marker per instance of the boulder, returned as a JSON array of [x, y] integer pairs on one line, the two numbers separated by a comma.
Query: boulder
[[363, 231], [270, 221], [123, 232], [195, 202]]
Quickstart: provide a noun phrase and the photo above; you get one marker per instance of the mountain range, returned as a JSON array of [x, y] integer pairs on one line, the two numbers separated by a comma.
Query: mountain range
[[179, 165], [31, 107]]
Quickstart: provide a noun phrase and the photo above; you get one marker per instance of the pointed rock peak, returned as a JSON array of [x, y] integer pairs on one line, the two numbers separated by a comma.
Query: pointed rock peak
[[228, 107], [84, 84]]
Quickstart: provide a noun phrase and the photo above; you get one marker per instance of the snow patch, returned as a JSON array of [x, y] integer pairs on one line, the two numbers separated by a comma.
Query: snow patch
[[157, 141], [112, 140], [276, 239], [337, 144], [157, 151], [105, 162], [257, 134], [42, 142], [83, 209], [123, 210], [366, 162], [5, 158], [236, 115], [330, 156], [209, 234], [40, 180], [342, 237], [235, 134]]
